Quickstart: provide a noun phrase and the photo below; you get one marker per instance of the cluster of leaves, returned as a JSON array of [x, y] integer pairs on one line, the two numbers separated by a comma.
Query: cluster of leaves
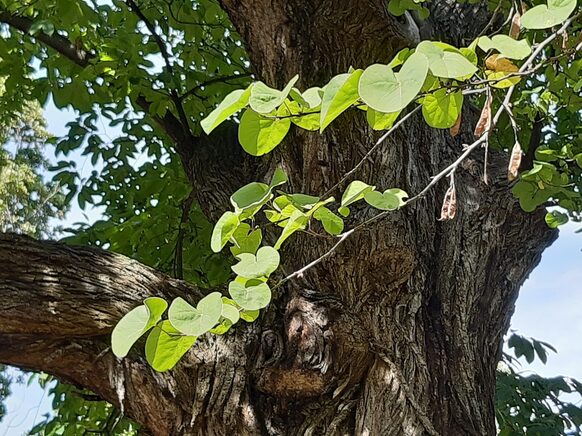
[[532, 404], [169, 339], [76, 411], [5, 382]]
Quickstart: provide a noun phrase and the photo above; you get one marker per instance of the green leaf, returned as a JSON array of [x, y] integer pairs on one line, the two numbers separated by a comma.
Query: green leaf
[[249, 315], [223, 230], [259, 135], [313, 97], [297, 221], [262, 265], [250, 196], [165, 346], [354, 192], [555, 219], [381, 121], [230, 310], [385, 91], [506, 45], [442, 109], [391, 199], [307, 119], [231, 104], [135, 323], [252, 296], [332, 223], [344, 211], [245, 240], [545, 16], [196, 321], [340, 93], [265, 100], [279, 178], [445, 60]]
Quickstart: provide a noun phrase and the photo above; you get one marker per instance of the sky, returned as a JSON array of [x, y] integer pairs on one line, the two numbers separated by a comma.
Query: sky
[[549, 307]]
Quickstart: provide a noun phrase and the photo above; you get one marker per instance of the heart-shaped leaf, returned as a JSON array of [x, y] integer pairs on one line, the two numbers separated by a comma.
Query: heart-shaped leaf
[[264, 99], [506, 45], [259, 135], [390, 199], [383, 90], [354, 192], [223, 230], [341, 92], [254, 295], [251, 196], [445, 60], [231, 104], [196, 321], [545, 16], [332, 223], [262, 265], [441, 109], [165, 346], [135, 323]]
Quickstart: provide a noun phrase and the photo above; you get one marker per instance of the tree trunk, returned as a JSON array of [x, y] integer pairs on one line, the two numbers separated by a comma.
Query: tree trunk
[[398, 333]]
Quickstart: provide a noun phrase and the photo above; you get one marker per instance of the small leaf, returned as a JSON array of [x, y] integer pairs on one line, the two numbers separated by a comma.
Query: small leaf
[[265, 100], [344, 211], [223, 230], [196, 321], [165, 346], [555, 219], [279, 178], [297, 221], [546, 16], [391, 199], [341, 92], [383, 90], [135, 323], [354, 192], [259, 135], [332, 223], [262, 265], [252, 296], [442, 109], [249, 315], [250, 196], [231, 104], [514, 162]]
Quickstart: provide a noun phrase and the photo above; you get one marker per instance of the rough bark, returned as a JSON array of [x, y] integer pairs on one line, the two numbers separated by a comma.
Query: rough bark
[[398, 333]]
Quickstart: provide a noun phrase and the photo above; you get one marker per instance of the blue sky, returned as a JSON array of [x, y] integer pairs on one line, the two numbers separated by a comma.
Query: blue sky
[[549, 307]]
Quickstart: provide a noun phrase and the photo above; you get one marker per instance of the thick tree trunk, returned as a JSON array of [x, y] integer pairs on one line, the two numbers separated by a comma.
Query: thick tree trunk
[[398, 333]]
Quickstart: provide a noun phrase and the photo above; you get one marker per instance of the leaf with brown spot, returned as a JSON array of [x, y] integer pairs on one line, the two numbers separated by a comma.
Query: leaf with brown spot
[[484, 122], [515, 26], [449, 208], [454, 131], [514, 162]]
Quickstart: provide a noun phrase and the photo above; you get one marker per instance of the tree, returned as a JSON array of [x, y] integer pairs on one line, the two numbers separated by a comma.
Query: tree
[[27, 202], [395, 327]]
